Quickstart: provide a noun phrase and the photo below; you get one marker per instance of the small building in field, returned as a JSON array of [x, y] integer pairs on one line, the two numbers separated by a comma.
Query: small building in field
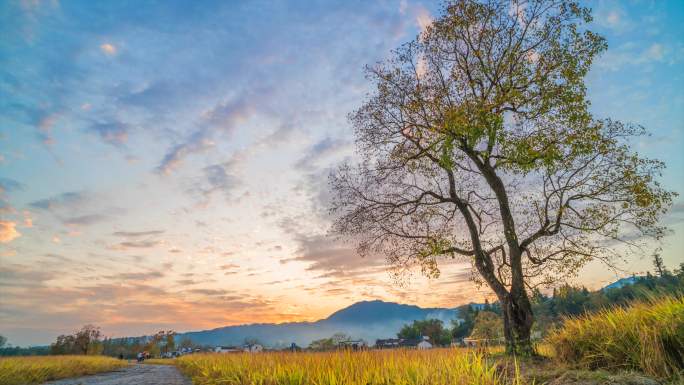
[[252, 348], [393, 343], [418, 343], [389, 343], [227, 349], [352, 345]]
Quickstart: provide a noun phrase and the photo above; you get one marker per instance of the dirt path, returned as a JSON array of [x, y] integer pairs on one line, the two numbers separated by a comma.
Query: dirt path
[[133, 374]]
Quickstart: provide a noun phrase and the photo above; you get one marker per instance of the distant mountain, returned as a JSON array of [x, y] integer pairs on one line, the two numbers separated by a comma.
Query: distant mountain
[[622, 282], [368, 320]]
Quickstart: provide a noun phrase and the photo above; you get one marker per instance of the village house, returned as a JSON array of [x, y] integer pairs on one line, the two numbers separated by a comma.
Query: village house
[[389, 343], [417, 343], [392, 343], [352, 344], [252, 348], [227, 349], [247, 348]]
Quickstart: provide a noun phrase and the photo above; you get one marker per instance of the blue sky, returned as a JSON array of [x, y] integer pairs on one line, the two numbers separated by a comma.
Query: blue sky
[[163, 164]]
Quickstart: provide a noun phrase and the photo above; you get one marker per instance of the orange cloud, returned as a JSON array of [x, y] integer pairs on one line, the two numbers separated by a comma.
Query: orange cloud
[[8, 231], [108, 49]]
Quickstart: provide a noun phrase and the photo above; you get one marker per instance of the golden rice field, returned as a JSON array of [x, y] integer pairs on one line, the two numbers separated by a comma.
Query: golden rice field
[[646, 337], [38, 369], [400, 367]]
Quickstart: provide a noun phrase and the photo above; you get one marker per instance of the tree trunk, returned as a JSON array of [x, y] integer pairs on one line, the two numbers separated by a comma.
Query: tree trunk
[[518, 319]]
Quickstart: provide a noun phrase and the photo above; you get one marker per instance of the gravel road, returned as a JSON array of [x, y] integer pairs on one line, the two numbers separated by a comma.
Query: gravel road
[[133, 374]]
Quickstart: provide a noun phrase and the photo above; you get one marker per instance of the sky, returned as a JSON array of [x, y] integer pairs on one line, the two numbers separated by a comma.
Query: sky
[[163, 164]]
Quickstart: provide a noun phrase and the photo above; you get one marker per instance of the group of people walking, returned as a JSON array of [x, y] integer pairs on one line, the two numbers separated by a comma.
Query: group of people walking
[[141, 356]]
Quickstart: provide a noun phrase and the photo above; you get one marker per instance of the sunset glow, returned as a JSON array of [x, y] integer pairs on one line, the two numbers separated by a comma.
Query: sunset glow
[[166, 166]]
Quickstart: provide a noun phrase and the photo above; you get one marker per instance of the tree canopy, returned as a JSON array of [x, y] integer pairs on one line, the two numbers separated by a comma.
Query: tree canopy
[[477, 143], [432, 328]]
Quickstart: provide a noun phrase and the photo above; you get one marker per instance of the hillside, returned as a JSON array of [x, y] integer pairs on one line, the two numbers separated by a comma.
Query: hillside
[[368, 320]]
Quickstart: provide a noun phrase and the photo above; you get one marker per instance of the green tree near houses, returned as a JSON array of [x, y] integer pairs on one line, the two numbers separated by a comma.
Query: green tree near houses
[[431, 328]]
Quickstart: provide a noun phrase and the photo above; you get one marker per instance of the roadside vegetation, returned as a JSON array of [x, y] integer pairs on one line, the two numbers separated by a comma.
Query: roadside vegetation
[[647, 337], [36, 370]]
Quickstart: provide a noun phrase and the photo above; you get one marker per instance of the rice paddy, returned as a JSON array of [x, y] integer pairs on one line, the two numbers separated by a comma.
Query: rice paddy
[[400, 367], [38, 369]]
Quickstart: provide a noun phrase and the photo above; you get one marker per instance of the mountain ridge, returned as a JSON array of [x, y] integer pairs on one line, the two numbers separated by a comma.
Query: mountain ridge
[[368, 320]]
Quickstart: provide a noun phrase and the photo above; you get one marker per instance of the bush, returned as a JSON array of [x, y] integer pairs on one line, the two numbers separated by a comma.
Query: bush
[[647, 336]]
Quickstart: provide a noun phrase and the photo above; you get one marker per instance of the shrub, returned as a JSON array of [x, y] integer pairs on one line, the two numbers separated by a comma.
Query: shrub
[[647, 336]]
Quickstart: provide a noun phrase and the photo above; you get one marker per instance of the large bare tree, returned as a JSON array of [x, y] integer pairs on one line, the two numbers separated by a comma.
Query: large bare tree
[[477, 143]]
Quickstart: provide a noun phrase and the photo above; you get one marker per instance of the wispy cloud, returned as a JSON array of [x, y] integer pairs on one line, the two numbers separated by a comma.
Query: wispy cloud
[[71, 199], [145, 244], [223, 118], [325, 148], [136, 234], [114, 133]]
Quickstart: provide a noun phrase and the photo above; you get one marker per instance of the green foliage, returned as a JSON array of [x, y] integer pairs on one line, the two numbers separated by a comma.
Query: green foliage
[[325, 344], [463, 329], [426, 256], [488, 326], [647, 336], [85, 341], [13, 351], [568, 301], [322, 344], [432, 328]]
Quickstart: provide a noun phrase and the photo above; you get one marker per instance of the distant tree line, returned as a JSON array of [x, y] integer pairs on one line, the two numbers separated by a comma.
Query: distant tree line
[[89, 341]]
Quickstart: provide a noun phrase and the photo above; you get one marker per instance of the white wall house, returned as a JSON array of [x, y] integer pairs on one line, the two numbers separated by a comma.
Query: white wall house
[[253, 348], [424, 345]]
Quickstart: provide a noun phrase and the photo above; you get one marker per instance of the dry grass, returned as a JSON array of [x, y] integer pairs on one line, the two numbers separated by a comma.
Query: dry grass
[[38, 369], [648, 337], [401, 367]]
